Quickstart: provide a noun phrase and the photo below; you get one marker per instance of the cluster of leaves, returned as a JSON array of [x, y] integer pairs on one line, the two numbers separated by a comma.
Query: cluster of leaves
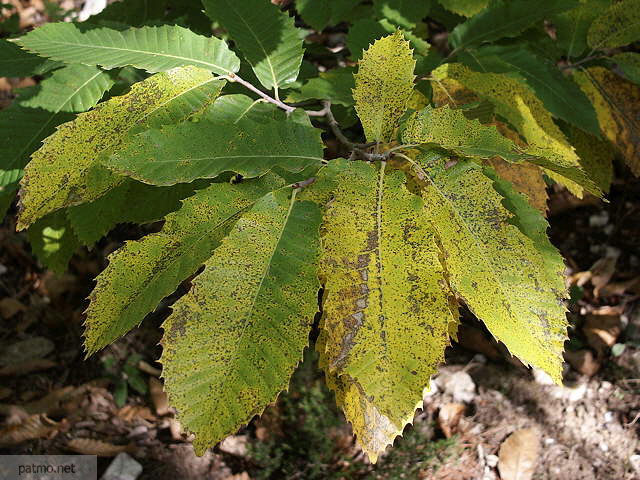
[[443, 202]]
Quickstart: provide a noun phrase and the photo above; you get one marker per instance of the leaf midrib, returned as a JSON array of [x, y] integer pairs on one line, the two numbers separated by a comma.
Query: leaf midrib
[[190, 61]]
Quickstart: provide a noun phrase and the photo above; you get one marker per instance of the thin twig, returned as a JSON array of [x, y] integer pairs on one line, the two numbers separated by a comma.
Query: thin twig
[[304, 183], [580, 62], [232, 77]]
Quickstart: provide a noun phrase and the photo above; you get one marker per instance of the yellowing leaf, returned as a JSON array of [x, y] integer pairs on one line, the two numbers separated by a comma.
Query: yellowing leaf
[[234, 340], [384, 84], [143, 272], [617, 26], [373, 429], [617, 104], [500, 264], [65, 170], [451, 130], [522, 109], [466, 8], [527, 179], [386, 311]]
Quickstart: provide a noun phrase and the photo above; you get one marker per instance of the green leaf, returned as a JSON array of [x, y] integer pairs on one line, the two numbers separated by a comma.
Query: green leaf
[[572, 26], [560, 95], [498, 263], [466, 8], [321, 13], [21, 131], [386, 311], [134, 13], [629, 63], [154, 49], [366, 31], [53, 241], [73, 88], [267, 38], [205, 149], [452, 130], [66, 171], [403, 13], [335, 85], [15, 62], [241, 108], [143, 272], [384, 84], [516, 103], [233, 341], [93, 220], [505, 19], [618, 26]]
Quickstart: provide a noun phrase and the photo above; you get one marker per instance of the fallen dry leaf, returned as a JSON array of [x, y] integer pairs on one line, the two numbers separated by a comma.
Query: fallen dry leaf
[[449, 418], [475, 340], [518, 455], [131, 412], [602, 331], [24, 350], [10, 306], [602, 271], [235, 445], [89, 446], [27, 367], [620, 288], [583, 361], [5, 392], [159, 397], [34, 426]]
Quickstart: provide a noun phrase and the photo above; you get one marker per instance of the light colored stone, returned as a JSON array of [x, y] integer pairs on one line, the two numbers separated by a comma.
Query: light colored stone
[[123, 467]]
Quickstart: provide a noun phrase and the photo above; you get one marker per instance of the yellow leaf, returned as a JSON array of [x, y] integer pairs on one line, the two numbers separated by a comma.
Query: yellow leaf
[[502, 265], [386, 310], [384, 84], [617, 104], [522, 109]]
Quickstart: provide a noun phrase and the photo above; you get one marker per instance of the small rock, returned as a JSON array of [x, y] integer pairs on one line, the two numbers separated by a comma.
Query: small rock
[[608, 417], [599, 219], [542, 377], [604, 447], [235, 445], [576, 393], [492, 461], [123, 467], [459, 385], [635, 462]]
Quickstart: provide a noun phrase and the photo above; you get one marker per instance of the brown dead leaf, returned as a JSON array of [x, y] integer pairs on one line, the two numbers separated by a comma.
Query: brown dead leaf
[[620, 288], [10, 306], [602, 331], [89, 446], [475, 340], [24, 350], [35, 426], [518, 455], [176, 429], [583, 361], [602, 271], [449, 418], [146, 368], [5, 392], [27, 367], [129, 413], [159, 397], [239, 476]]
